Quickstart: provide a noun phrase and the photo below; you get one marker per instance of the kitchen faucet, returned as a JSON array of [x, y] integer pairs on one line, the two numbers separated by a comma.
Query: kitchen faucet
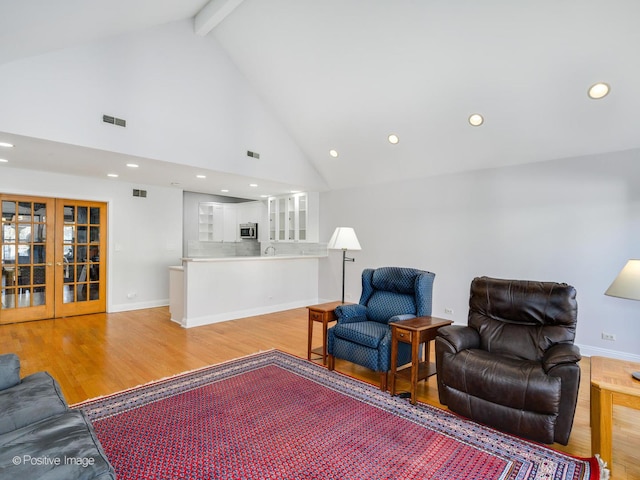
[[266, 250]]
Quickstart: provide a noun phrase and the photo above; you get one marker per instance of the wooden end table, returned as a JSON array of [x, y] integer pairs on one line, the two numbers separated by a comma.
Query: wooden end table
[[414, 331], [611, 383], [322, 313]]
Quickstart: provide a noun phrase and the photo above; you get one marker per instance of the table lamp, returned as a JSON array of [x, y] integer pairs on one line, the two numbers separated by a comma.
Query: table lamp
[[344, 238], [627, 285]]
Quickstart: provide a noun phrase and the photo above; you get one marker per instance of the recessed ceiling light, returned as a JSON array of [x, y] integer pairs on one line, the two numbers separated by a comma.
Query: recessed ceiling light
[[4, 160], [132, 165], [598, 90], [201, 176], [112, 175], [253, 185], [393, 138], [295, 191], [265, 196], [224, 190], [333, 153], [175, 184], [5, 144], [476, 119]]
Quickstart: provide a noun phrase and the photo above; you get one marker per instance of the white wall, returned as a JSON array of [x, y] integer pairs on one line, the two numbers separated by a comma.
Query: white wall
[[183, 99], [575, 221], [145, 234]]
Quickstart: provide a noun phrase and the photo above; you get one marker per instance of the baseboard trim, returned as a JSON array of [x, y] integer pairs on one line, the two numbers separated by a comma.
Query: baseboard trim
[[125, 307], [589, 351], [250, 312]]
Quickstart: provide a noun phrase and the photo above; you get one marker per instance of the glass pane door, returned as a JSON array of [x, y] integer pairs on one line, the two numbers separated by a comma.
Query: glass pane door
[[80, 257], [52, 254], [26, 291]]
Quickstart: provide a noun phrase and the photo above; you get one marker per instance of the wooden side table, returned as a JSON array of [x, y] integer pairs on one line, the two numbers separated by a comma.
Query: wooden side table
[[414, 331], [611, 383], [322, 313]]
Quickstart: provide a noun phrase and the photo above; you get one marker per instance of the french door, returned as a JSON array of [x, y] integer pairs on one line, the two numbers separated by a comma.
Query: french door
[[53, 258]]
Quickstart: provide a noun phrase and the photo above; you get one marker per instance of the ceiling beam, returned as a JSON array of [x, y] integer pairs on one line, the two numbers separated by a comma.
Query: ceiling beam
[[212, 14]]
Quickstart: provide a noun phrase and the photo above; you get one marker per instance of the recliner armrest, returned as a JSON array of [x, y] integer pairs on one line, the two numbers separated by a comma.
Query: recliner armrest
[[397, 318], [460, 337], [351, 313], [560, 353]]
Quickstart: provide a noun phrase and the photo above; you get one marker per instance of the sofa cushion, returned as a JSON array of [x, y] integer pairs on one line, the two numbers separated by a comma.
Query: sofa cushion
[[9, 370], [518, 384], [62, 447], [368, 334], [36, 397]]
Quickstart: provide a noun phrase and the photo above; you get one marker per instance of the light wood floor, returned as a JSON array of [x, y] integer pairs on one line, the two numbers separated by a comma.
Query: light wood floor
[[94, 355]]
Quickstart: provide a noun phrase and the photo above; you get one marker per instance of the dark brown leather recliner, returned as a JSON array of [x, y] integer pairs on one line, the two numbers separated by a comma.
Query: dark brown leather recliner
[[514, 367]]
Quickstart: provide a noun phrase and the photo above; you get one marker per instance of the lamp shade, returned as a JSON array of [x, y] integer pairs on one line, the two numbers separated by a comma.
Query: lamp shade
[[627, 283], [344, 238]]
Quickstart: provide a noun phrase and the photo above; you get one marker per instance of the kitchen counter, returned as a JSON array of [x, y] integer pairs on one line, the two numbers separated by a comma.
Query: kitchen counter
[[211, 290], [240, 258]]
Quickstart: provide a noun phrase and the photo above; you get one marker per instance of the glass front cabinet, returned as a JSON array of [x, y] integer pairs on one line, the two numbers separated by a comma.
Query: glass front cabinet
[[293, 218]]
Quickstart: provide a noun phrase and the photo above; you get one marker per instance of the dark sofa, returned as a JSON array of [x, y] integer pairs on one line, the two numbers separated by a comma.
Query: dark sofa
[[40, 437]]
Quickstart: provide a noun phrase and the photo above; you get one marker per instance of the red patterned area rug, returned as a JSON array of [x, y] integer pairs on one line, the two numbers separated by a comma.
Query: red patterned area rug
[[275, 416]]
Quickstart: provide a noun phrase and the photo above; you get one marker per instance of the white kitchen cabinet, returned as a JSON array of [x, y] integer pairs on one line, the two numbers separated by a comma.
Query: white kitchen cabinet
[[210, 222], [230, 222], [217, 222], [293, 218], [251, 212]]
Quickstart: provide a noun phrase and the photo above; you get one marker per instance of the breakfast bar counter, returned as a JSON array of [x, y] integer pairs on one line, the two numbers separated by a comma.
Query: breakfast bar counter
[[211, 290]]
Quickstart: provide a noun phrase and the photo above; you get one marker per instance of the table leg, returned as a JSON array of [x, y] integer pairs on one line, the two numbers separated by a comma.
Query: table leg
[[324, 341], [310, 337], [415, 366], [601, 424], [427, 351], [394, 361]]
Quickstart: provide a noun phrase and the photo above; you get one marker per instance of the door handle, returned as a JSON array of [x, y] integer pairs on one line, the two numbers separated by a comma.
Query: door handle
[[58, 264]]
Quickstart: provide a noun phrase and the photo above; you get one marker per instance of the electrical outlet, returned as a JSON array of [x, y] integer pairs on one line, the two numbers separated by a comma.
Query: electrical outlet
[[448, 311], [608, 336]]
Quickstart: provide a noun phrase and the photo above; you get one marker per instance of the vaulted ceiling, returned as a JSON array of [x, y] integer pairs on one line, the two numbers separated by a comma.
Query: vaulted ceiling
[[344, 74]]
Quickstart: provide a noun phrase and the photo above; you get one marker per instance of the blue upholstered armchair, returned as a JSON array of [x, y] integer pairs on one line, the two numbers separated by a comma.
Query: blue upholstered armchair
[[363, 335]]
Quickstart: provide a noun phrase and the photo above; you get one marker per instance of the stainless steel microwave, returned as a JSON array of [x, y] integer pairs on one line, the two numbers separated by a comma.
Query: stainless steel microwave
[[248, 230]]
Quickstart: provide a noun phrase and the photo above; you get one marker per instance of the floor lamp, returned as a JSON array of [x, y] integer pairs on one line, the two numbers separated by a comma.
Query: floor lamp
[[627, 285], [344, 238]]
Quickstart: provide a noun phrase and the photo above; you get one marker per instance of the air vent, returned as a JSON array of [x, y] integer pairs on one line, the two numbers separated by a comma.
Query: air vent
[[252, 154], [114, 121], [139, 193]]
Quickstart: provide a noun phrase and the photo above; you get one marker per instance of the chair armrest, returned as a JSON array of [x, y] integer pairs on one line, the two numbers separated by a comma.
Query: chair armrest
[[351, 313], [460, 337], [560, 353], [397, 318], [9, 370]]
